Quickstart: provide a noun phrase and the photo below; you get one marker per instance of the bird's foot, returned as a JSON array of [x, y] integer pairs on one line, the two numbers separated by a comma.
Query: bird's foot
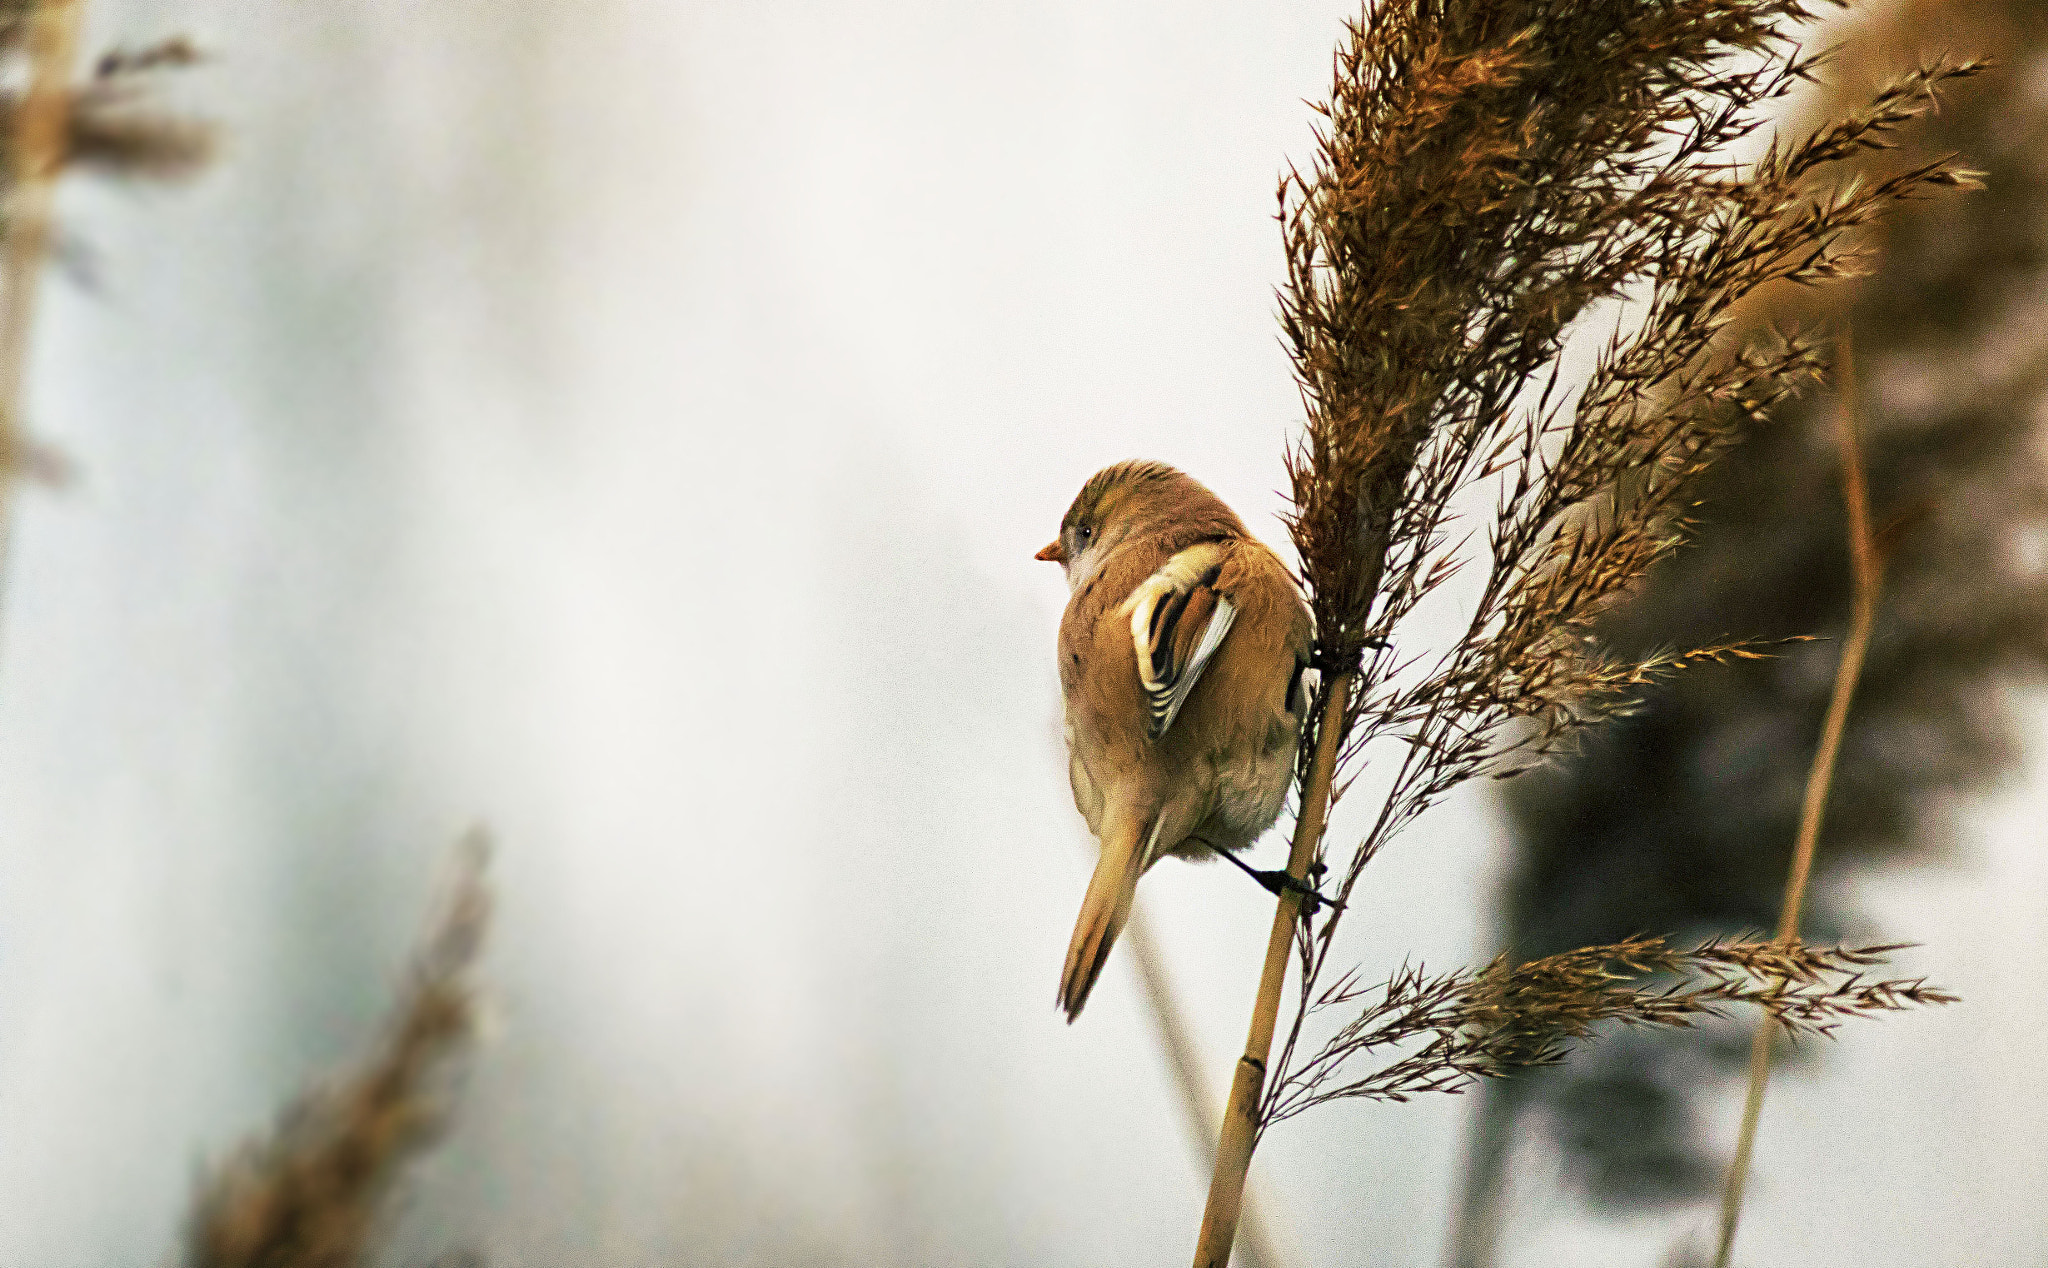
[[1278, 882]]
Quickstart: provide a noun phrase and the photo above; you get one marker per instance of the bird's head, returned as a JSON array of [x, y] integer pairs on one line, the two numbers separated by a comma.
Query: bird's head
[[1130, 501]]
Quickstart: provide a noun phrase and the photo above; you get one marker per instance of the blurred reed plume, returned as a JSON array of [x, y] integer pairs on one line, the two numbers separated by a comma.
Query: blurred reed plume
[[113, 120], [1681, 816], [317, 1192], [113, 124], [117, 125], [1486, 175]]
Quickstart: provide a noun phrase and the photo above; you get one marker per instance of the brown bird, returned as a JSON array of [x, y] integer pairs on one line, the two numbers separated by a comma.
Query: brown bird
[[1183, 654]]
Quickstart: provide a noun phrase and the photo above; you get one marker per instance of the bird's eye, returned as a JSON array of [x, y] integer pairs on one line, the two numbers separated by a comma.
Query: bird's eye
[[1084, 532]]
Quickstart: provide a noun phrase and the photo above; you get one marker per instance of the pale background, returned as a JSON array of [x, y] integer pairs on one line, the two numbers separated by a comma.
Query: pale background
[[629, 424]]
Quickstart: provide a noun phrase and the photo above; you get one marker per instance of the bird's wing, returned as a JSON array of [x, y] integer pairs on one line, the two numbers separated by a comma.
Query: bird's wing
[[1178, 620]]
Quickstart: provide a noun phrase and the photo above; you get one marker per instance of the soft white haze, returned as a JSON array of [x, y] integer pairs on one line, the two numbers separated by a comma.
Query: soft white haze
[[630, 424]]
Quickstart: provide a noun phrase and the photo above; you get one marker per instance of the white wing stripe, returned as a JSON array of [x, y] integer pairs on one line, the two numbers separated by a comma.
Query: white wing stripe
[[1152, 634], [1212, 638]]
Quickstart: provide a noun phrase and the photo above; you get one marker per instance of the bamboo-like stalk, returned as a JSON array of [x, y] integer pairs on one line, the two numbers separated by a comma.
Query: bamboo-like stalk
[[1247, 1087], [1867, 573], [1253, 1238], [39, 140]]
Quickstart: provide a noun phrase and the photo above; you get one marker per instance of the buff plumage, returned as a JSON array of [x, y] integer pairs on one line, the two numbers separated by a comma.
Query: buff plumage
[[1181, 659]]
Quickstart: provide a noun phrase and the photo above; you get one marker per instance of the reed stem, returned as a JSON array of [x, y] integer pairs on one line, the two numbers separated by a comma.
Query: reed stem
[[1867, 572], [1253, 1237], [1248, 1085]]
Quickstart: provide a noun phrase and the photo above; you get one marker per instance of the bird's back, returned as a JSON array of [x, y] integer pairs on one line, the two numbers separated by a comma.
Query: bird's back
[[1236, 713]]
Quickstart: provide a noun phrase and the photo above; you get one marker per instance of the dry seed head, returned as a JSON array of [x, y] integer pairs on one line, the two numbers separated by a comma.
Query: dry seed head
[[1493, 1021], [1486, 174]]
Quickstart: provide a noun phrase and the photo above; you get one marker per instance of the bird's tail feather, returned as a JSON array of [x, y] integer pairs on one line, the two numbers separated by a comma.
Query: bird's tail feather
[[1126, 848]]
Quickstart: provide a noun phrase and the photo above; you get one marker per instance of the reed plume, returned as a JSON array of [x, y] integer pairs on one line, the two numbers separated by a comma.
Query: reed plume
[[111, 124], [1486, 174], [1506, 1017], [317, 1191], [1670, 819]]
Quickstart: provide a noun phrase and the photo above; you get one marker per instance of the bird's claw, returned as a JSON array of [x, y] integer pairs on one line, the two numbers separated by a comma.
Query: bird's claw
[[1279, 882]]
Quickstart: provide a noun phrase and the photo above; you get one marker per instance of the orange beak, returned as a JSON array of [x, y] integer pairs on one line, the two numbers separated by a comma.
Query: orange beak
[[1053, 553]]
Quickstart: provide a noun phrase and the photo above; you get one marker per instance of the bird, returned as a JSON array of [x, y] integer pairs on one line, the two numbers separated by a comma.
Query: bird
[[1184, 661]]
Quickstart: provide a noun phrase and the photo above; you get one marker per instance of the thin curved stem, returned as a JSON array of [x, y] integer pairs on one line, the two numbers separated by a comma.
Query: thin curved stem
[[1867, 571]]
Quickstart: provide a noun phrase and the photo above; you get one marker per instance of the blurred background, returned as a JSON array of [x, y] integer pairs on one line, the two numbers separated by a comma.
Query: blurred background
[[629, 425]]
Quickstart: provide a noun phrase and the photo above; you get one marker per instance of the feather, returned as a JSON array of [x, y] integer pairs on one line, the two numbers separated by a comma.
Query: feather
[[1302, 692], [1107, 906], [1178, 620]]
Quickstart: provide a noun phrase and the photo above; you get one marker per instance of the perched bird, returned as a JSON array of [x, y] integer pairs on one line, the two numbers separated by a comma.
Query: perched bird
[[1183, 654]]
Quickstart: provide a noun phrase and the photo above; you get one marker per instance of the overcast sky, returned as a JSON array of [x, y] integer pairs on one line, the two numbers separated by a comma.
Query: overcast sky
[[629, 424]]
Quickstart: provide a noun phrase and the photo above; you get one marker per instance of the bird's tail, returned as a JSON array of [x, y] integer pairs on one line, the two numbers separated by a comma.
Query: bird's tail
[[1126, 848]]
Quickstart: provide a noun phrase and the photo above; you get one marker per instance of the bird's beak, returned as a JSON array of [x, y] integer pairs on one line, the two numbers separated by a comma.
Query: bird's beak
[[1053, 553]]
